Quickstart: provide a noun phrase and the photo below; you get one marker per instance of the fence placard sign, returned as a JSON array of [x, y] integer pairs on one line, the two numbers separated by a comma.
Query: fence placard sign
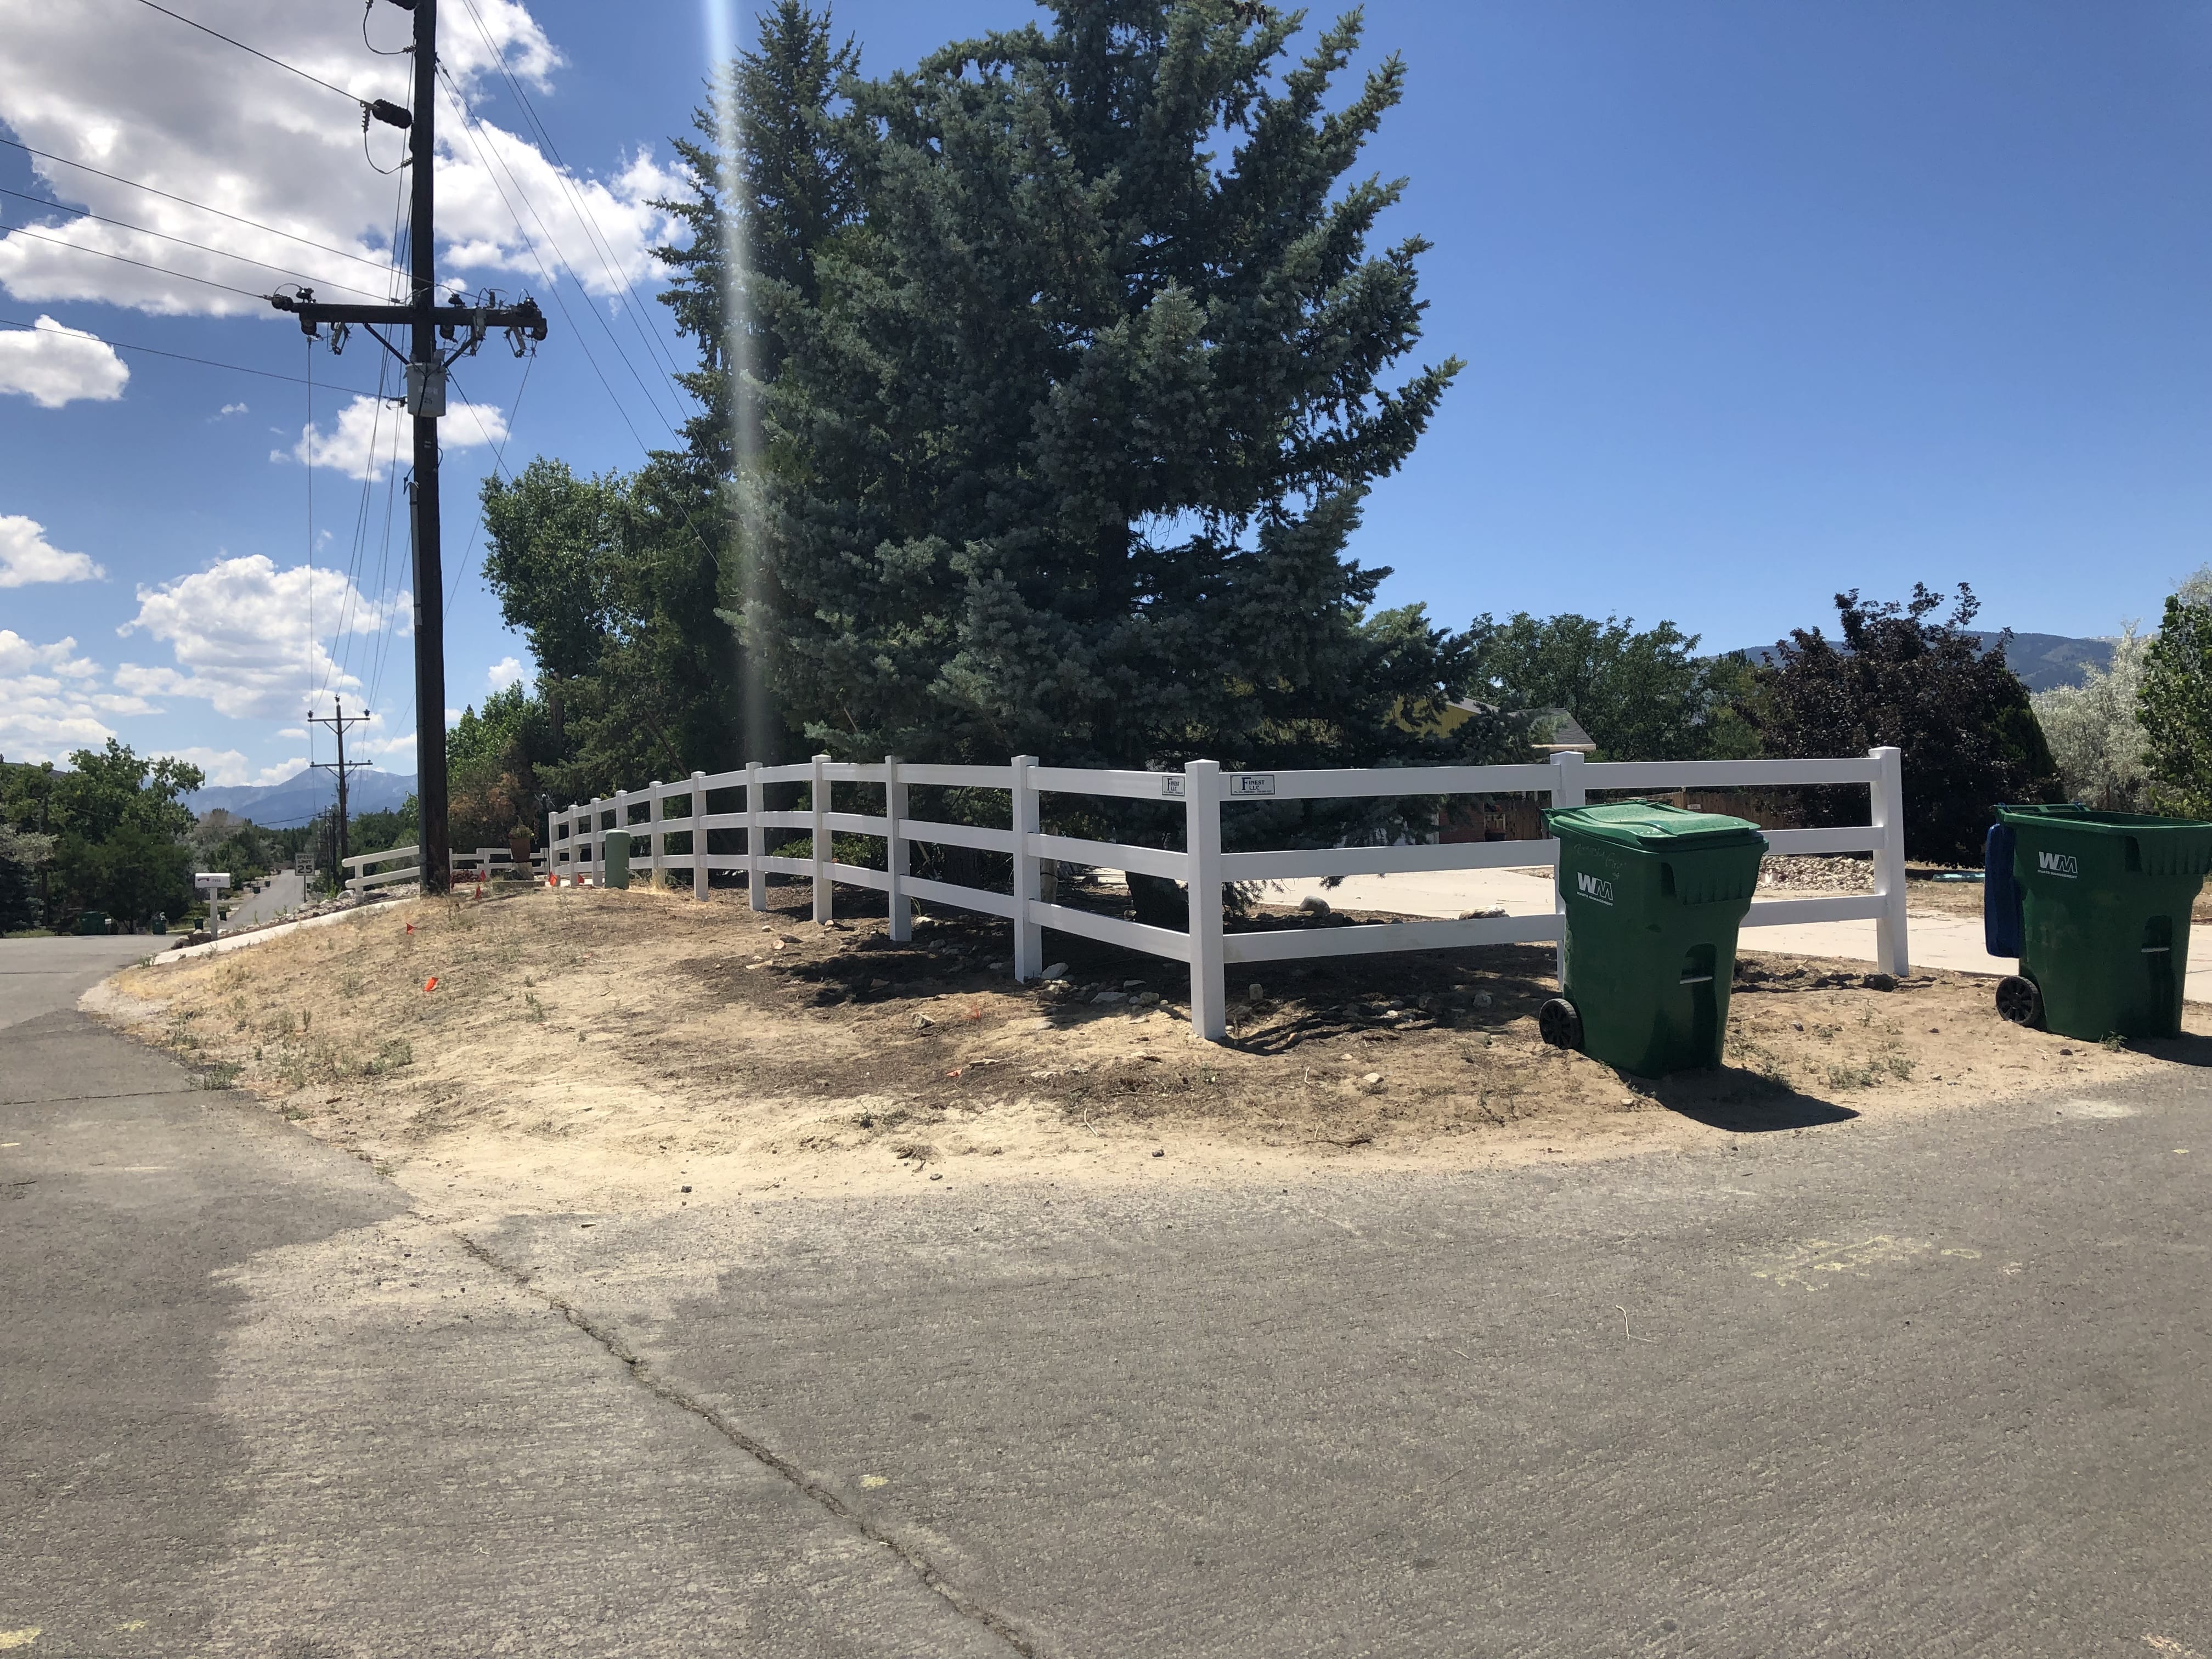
[[1235, 783]]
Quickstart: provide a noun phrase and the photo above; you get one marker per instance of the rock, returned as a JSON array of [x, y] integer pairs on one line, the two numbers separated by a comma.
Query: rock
[[1482, 999], [1002, 967], [923, 1022], [1880, 982], [1314, 904], [1372, 1081], [1159, 1151], [1111, 996], [1146, 999], [1132, 985], [687, 1189], [1255, 992], [1488, 912], [1058, 970], [878, 984]]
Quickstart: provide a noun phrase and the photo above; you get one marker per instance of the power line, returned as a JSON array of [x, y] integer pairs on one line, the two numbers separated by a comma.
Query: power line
[[653, 345], [486, 155], [552, 284], [186, 242], [255, 50], [499, 466], [164, 270], [187, 201], [182, 357]]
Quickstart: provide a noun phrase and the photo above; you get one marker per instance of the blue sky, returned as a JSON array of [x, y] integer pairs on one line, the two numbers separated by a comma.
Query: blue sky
[[1758, 302]]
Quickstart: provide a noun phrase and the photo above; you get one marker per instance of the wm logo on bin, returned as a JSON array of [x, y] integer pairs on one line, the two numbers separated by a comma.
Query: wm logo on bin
[[2058, 864], [1596, 889]]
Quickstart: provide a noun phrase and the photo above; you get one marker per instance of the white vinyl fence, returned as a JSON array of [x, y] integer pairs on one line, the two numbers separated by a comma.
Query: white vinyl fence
[[404, 864], [575, 847]]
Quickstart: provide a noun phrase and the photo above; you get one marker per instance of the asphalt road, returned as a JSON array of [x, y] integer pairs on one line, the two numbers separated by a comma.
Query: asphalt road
[[285, 890], [1933, 1389]]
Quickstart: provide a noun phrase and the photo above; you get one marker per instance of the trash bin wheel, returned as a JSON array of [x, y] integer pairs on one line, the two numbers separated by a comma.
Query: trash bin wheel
[[2019, 1001], [1559, 1024]]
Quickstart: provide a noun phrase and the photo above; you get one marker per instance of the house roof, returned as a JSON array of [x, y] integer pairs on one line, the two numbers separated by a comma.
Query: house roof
[[1550, 731]]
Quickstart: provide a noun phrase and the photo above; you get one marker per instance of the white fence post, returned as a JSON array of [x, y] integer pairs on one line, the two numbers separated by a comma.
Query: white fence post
[[1567, 791], [818, 797], [895, 853], [1891, 952], [1209, 1011], [596, 847], [756, 877], [656, 819], [1029, 935], [698, 834]]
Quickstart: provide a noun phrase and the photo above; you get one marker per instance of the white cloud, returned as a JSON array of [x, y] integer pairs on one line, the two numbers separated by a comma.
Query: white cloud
[[369, 434], [453, 716], [400, 743], [226, 767], [52, 365], [242, 636], [46, 708], [27, 556], [235, 408], [300, 731], [507, 671], [161, 104]]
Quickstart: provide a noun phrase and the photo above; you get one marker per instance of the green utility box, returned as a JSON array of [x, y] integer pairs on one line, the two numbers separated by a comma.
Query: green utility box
[[92, 921], [614, 858], [1654, 895], [2103, 905]]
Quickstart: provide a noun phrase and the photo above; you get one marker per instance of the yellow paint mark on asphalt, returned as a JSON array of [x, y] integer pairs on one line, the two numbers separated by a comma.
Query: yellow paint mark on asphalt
[[874, 1480], [19, 1638], [132, 1623], [2170, 1648]]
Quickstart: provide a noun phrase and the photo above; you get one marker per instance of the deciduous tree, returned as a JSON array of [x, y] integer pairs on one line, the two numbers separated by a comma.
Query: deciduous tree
[[1899, 674]]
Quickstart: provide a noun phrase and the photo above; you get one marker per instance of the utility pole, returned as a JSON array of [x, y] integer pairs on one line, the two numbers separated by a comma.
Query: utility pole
[[426, 402], [337, 719]]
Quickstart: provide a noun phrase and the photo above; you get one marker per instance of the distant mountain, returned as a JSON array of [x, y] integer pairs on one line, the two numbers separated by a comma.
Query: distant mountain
[[297, 800], [2043, 661]]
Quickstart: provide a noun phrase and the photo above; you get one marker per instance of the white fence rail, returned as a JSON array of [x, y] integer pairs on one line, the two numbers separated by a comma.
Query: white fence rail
[[406, 864], [576, 848]]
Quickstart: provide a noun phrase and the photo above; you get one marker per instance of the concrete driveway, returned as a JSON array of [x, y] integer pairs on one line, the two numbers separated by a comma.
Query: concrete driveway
[[1932, 1387]]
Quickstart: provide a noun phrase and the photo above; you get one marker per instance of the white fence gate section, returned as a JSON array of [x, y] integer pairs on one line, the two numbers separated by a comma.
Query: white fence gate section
[[575, 845]]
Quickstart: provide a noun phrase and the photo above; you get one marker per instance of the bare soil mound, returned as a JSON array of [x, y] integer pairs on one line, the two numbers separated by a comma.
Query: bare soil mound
[[593, 1049]]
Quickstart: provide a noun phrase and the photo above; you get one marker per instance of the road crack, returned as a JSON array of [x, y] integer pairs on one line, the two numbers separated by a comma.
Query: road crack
[[1006, 1629]]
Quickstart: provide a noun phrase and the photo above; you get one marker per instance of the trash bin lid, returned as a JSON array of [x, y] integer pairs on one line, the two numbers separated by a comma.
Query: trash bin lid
[[2095, 823], [1653, 826]]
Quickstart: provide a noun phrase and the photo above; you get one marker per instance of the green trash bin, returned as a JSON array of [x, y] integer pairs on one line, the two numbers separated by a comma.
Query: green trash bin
[[2103, 912], [614, 857], [1654, 895], [91, 921]]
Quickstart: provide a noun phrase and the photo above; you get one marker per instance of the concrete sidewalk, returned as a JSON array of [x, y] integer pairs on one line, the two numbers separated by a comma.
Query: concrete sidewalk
[[1937, 938]]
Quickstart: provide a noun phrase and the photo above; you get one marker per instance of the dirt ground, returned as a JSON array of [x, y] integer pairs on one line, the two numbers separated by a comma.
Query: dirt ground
[[590, 1050]]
